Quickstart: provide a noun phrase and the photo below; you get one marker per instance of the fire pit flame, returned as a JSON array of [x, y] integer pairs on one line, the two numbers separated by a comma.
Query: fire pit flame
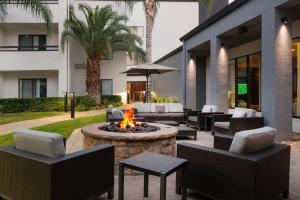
[[129, 125], [129, 120]]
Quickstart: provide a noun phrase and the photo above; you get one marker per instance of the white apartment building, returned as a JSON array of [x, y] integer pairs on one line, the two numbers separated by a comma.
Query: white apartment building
[[32, 64]]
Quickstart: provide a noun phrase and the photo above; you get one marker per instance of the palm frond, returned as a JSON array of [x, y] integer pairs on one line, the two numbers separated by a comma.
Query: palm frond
[[209, 6], [35, 7], [101, 33]]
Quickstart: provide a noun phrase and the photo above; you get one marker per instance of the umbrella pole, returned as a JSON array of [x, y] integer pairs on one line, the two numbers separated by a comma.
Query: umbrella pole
[[147, 88]]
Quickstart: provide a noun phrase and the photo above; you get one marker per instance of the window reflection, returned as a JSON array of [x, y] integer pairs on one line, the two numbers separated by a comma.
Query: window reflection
[[296, 75]]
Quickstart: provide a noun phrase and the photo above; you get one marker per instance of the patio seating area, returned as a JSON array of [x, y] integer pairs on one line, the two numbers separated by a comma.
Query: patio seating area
[[203, 160]]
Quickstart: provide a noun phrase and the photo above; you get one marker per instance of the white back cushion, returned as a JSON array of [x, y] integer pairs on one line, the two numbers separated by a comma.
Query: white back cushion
[[42, 143], [249, 112], [142, 107], [250, 141], [174, 107], [214, 108], [239, 113], [206, 109]]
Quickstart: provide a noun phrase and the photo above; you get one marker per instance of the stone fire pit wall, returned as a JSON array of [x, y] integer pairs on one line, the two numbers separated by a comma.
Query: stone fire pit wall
[[129, 144]]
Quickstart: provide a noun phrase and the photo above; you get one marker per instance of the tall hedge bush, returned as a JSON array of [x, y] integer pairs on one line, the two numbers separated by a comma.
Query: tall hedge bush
[[15, 105]]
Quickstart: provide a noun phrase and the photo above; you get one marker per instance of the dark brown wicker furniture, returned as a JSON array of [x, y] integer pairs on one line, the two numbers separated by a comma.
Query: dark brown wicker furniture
[[184, 131], [167, 122], [235, 124], [78, 176], [222, 141], [197, 119], [153, 164], [219, 174]]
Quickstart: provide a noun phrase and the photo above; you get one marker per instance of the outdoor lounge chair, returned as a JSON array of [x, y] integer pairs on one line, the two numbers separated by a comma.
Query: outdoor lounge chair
[[78, 176], [242, 119], [198, 119], [224, 175]]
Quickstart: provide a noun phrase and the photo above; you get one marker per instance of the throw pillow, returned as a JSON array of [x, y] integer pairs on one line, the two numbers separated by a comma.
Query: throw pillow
[[206, 109], [160, 108]]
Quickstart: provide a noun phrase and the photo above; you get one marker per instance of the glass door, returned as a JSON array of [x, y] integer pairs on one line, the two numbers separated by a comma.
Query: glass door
[[254, 85], [241, 82]]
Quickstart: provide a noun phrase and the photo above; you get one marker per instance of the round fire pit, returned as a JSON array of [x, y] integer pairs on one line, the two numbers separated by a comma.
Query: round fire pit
[[127, 144]]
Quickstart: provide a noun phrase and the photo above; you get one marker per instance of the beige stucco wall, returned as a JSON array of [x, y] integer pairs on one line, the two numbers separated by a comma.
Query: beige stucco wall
[[10, 84]]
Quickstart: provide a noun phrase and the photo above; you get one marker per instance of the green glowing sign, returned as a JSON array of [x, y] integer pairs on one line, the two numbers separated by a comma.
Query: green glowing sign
[[242, 88]]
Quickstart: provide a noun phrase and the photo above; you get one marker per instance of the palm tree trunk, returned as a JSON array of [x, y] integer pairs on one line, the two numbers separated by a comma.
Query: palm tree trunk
[[93, 78], [149, 12]]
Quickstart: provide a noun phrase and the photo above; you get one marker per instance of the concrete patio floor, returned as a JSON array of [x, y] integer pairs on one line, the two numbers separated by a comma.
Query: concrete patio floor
[[134, 184]]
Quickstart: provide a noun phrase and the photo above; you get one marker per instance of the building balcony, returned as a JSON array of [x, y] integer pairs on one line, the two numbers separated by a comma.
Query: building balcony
[[17, 15], [16, 58]]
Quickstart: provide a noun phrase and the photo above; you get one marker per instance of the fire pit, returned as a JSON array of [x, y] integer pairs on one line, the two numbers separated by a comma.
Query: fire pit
[[131, 138]]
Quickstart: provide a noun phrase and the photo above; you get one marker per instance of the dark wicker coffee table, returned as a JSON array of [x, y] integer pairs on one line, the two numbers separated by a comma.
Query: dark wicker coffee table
[[184, 131], [167, 122], [153, 164]]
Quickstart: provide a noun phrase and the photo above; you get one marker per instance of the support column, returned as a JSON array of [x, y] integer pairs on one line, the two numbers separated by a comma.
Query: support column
[[276, 75], [219, 74], [183, 75]]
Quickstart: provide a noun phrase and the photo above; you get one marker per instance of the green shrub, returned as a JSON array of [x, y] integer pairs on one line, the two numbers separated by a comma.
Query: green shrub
[[88, 101], [111, 99], [161, 99], [81, 107], [15, 105]]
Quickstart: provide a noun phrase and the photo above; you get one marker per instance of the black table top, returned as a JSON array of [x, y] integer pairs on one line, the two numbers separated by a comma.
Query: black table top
[[154, 163]]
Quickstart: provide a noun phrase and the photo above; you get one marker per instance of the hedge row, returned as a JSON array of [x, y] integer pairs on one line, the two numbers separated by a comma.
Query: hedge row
[[14, 105]]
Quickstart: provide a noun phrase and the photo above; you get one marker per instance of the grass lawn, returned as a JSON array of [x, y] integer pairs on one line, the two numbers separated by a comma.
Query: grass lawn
[[64, 128], [6, 118]]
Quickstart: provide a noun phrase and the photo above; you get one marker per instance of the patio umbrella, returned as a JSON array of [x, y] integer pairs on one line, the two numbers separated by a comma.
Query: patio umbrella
[[147, 70]]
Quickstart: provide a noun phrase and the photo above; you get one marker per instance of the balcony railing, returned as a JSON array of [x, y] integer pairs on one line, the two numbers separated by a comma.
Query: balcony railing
[[43, 1], [29, 48]]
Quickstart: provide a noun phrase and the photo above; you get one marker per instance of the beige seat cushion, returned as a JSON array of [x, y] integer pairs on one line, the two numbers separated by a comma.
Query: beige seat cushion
[[251, 141], [38, 142], [193, 118], [224, 125]]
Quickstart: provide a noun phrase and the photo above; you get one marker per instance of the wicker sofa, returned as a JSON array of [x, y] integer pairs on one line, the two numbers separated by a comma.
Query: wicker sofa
[[228, 124], [148, 111], [222, 175], [82, 175]]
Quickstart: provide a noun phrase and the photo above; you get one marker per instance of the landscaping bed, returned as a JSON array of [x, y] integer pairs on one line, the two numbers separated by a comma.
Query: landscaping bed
[[64, 128]]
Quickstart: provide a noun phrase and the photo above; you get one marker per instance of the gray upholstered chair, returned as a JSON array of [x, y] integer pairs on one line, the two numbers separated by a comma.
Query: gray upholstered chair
[[37, 168], [241, 119], [228, 175], [197, 119]]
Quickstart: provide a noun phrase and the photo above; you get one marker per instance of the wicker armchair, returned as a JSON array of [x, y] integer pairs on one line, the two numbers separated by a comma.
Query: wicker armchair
[[78, 176], [234, 125], [219, 174], [197, 119]]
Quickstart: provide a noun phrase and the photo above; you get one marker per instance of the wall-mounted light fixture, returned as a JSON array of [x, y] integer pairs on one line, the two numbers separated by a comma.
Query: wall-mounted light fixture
[[222, 44], [284, 20], [243, 30], [191, 57]]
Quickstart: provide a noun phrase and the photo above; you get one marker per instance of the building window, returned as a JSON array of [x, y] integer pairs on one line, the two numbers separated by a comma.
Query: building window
[[32, 42], [296, 76], [244, 82], [106, 87], [29, 88]]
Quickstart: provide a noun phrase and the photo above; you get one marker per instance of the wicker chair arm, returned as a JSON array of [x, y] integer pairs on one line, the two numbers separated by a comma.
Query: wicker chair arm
[[221, 117], [241, 124]]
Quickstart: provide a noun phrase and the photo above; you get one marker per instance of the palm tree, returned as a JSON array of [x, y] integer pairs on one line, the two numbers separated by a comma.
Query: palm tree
[[100, 34], [151, 9], [36, 7]]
